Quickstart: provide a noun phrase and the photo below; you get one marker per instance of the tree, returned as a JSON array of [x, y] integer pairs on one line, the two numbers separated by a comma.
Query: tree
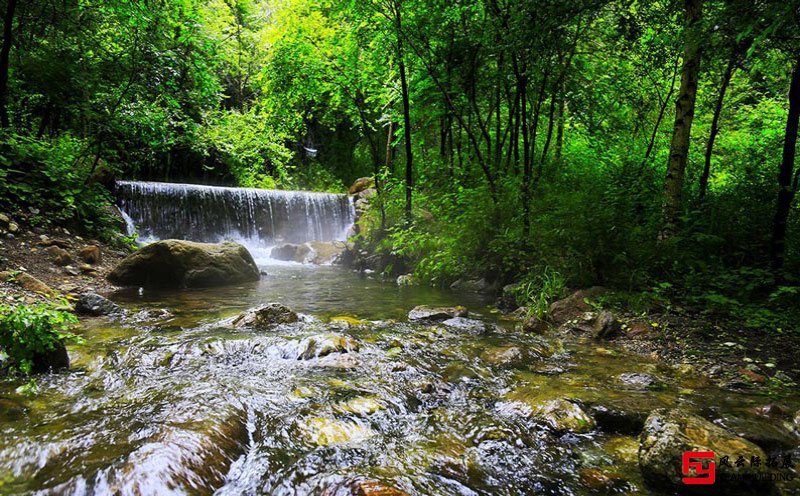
[[684, 115], [786, 182], [5, 51]]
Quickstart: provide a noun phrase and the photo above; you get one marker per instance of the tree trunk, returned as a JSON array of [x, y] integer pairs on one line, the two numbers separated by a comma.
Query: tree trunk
[[406, 114], [560, 128], [684, 114], [5, 51], [723, 88], [788, 187]]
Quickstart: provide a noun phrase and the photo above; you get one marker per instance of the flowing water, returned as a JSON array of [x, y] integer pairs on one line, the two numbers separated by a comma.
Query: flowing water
[[257, 218], [172, 400]]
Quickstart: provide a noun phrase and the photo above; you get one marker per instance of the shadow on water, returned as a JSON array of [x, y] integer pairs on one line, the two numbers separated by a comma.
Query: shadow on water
[[179, 402]]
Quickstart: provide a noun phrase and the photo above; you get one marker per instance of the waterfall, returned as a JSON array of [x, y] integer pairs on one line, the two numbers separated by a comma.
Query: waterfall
[[257, 218]]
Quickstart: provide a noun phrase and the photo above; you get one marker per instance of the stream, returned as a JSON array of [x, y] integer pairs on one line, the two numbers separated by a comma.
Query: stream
[[172, 400]]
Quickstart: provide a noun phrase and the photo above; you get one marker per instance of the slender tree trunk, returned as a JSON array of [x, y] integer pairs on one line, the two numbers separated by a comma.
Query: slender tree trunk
[[723, 88], [389, 147], [560, 128], [661, 111], [5, 51], [684, 114], [788, 186], [526, 160], [406, 114]]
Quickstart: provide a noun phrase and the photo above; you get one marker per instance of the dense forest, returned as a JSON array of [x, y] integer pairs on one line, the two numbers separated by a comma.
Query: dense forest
[[646, 146]]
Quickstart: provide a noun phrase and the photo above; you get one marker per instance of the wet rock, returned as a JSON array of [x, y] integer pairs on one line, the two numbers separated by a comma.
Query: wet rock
[[265, 316], [290, 252], [772, 410], [323, 252], [640, 381], [187, 458], [668, 434], [324, 431], [59, 256], [428, 313], [11, 410], [186, 264], [151, 314], [474, 285], [323, 345], [360, 185], [405, 280], [374, 488], [563, 415], [94, 304], [4, 219], [51, 360], [606, 326], [361, 405], [535, 325], [337, 361], [27, 282], [13, 227], [503, 356], [573, 305], [91, 254], [769, 435], [618, 420], [602, 482], [508, 297], [469, 325]]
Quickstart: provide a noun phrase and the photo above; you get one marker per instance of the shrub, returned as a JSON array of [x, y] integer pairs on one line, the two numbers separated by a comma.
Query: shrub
[[26, 331]]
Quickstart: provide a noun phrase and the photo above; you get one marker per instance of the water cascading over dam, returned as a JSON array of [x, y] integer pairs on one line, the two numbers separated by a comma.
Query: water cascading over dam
[[257, 218]]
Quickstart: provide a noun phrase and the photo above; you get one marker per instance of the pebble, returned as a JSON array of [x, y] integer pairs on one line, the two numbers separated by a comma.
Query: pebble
[[729, 343]]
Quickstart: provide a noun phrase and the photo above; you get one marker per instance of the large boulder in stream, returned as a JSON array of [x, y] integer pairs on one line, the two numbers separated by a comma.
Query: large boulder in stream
[[669, 433], [176, 263]]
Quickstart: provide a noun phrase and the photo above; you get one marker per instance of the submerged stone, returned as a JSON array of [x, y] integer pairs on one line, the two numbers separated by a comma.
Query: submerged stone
[[324, 431], [361, 405], [374, 488], [185, 264], [325, 344]]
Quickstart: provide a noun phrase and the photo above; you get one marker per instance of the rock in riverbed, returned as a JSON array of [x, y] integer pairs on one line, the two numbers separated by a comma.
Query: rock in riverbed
[[290, 252], [185, 264], [668, 434], [562, 415], [265, 316], [94, 304], [427, 313]]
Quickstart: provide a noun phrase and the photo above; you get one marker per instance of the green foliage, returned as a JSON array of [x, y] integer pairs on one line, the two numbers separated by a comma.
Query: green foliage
[[26, 331], [54, 176], [538, 290]]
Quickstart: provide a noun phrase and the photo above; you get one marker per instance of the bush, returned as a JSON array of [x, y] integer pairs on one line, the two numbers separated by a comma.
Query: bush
[[52, 176], [27, 331]]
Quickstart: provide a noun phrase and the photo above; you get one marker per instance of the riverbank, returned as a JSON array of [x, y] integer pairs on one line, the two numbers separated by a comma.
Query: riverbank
[[45, 261]]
